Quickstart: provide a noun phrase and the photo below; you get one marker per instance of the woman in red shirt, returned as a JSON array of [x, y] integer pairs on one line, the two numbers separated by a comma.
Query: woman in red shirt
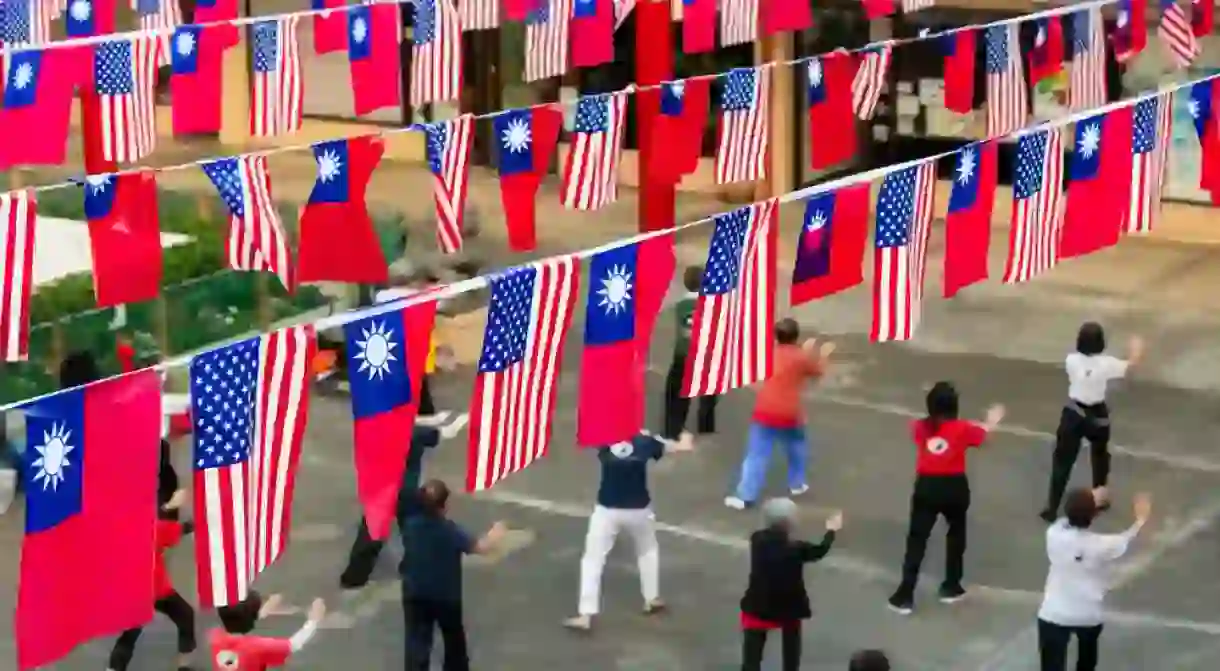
[[941, 489]]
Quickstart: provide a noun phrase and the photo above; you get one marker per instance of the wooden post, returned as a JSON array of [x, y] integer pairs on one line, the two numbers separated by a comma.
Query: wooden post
[[16, 179]]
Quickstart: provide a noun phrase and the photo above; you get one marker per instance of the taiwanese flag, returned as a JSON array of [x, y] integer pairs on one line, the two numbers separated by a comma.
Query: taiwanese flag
[[698, 26], [627, 286], [88, 18], [1098, 194], [1046, 56], [195, 81], [875, 9], [387, 355], [1202, 17], [785, 15], [519, 10], [36, 107], [959, 70], [372, 49], [1130, 30], [525, 140], [338, 241], [1202, 107], [968, 221], [592, 32], [678, 133], [90, 479], [832, 124], [124, 237], [219, 11], [330, 28], [830, 252]]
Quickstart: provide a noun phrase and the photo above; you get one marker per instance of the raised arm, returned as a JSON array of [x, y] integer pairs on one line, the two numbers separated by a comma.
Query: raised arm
[[812, 552]]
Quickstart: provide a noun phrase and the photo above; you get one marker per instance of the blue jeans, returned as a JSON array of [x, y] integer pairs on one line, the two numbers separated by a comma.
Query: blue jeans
[[758, 457]]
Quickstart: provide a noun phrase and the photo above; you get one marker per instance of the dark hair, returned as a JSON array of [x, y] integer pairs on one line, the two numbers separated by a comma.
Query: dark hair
[[869, 660], [941, 403], [787, 331], [240, 618], [692, 278], [1091, 339], [78, 368], [434, 496], [1080, 508]]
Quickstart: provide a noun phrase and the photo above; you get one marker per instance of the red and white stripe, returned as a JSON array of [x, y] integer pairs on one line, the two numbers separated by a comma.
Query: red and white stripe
[[590, 178], [909, 6], [257, 241], [244, 511], [1037, 221], [899, 272], [546, 44], [511, 410], [731, 333], [18, 211], [436, 65], [869, 83], [738, 22], [1177, 35], [1148, 173], [1007, 99], [279, 94], [449, 187], [744, 136], [167, 17], [479, 14], [129, 120], [1087, 70]]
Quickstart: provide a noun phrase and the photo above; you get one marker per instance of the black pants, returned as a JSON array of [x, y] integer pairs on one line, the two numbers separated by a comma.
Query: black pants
[[421, 616], [1091, 423], [362, 559], [1053, 640], [426, 405], [936, 496], [677, 406], [178, 611], [753, 641]]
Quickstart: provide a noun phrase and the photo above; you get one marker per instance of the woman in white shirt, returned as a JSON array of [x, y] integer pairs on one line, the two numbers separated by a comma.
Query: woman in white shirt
[[1085, 416], [1081, 573]]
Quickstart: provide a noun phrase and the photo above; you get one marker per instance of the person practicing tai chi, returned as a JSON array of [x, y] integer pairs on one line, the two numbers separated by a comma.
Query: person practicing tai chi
[[624, 504], [775, 595], [778, 416], [234, 648], [1081, 573], [677, 406], [1086, 416], [941, 489]]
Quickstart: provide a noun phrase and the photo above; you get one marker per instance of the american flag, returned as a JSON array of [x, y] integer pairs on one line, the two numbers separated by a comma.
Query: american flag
[[869, 83], [900, 259], [745, 122], [279, 87], [256, 236], [448, 149], [160, 16], [479, 14], [250, 402], [26, 21], [1007, 106], [1150, 144], [590, 179], [1176, 33], [436, 53], [738, 22], [18, 211], [546, 40], [909, 6], [732, 327], [514, 392], [125, 73], [1037, 206], [1087, 65]]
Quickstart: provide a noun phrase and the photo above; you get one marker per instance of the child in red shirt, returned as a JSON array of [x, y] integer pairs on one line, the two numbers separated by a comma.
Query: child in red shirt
[[233, 649]]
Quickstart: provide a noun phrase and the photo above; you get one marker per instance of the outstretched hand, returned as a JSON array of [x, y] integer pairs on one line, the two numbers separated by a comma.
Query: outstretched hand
[[835, 521]]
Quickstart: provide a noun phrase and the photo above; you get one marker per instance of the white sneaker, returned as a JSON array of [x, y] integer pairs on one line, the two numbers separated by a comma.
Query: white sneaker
[[735, 503], [455, 427], [799, 490], [435, 419], [579, 623]]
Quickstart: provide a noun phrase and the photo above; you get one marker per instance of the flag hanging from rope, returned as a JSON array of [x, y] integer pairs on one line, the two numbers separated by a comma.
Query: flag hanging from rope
[[25, 22], [448, 149], [1046, 57], [125, 77], [1150, 146], [159, 16], [968, 217], [869, 83], [1130, 30], [738, 22], [590, 178], [18, 211], [745, 126], [546, 40], [436, 56], [1087, 61], [479, 14], [256, 237], [900, 257], [279, 87], [1007, 106], [1176, 34], [1037, 207]]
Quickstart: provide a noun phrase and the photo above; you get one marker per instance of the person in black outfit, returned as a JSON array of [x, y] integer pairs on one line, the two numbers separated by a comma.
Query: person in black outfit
[[432, 579], [677, 406], [869, 660], [775, 596]]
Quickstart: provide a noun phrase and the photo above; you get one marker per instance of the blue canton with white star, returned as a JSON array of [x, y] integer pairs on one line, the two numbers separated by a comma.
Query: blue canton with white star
[[508, 319], [266, 45], [738, 93], [225, 174], [896, 208], [995, 41], [1080, 33], [1143, 134], [81, 28], [1031, 157], [724, 255], [146, 7], [112, 67], [539, 15], [438, 139], [223, 383], [425, 21], [15, 21], [592, 115]]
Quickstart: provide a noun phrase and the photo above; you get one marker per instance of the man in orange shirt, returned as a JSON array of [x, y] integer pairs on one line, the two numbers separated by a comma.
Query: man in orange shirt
[[778, 416], [234, 649]]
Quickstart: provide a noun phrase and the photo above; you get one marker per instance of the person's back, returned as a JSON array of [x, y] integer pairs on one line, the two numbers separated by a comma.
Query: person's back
[[431, 567], [778, 401]]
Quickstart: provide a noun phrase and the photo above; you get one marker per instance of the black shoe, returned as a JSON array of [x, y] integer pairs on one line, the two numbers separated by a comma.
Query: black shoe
[[951, 593], [1048, 516], [902, 604]]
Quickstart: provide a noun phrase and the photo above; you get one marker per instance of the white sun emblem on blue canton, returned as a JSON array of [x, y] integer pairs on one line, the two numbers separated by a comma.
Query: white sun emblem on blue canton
[[376, 350], [52, 458], [616, 290]]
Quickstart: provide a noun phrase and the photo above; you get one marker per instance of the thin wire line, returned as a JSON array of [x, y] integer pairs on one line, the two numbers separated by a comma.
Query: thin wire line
[[474, 283], [627, 90]]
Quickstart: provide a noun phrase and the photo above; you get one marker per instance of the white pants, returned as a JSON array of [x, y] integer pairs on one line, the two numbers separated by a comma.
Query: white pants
[[604, 527]]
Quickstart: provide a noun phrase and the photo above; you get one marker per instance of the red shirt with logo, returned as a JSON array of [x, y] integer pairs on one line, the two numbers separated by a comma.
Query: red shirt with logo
[[236, 652], [943, 452]]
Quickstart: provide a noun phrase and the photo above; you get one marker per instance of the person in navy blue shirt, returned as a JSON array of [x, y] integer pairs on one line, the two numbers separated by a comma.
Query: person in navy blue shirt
[[624, 504]]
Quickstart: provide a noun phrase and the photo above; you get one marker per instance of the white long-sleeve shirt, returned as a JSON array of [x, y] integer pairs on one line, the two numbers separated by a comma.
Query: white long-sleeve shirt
[[1081, 573]]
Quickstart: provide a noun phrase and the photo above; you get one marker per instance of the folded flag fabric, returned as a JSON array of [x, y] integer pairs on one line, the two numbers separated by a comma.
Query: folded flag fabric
[[36, 107], [832, 122], [968, 220], [525, 142], [338, 242], [830, 251], [196, 56], [124, 237], [1098, 194], [678, 129]]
